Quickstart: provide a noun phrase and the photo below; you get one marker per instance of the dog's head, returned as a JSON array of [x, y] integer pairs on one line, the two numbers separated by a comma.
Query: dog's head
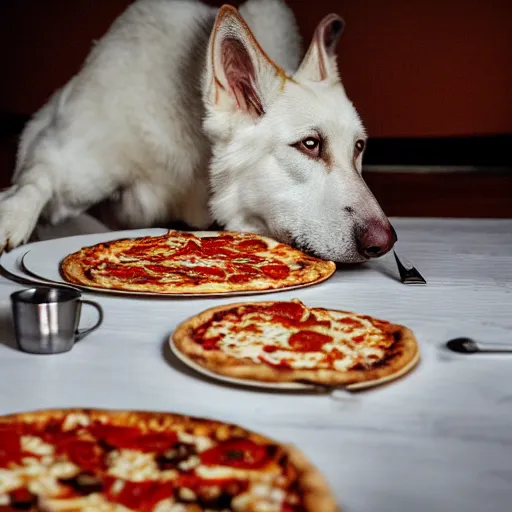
[[287, 150]]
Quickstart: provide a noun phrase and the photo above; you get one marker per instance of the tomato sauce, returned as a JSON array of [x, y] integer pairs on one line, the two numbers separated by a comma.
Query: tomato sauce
[[276, 271], [85, 454], [308, 341]]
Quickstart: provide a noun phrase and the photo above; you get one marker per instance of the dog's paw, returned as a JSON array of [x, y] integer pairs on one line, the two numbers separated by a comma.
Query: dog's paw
[[17, 218]]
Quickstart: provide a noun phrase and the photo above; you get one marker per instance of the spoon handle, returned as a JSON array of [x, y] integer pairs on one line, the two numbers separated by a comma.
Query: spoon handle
[[495, 349]]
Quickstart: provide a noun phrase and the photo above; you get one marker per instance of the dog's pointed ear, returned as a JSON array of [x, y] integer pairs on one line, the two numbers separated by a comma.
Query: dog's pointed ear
[[319, 63], [240, 76]]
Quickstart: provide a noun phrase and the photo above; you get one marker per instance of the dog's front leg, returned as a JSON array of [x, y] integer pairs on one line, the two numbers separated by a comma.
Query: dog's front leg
[[42, 191], [20, 208]]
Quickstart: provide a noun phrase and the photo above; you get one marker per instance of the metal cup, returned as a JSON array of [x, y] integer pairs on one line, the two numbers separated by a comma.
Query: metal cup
[[46, 319]]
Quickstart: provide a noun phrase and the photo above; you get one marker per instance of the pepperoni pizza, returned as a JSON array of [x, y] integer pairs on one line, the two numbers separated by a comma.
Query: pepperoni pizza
[[113, 461], [289, 342], [190, 263]]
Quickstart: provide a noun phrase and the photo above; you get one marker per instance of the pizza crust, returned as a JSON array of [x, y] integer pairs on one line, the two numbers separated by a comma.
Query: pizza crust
[[401, 359], [317, 493], [313, 270]]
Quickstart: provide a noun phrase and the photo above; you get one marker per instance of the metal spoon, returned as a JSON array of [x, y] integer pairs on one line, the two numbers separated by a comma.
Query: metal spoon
[[469, 346]]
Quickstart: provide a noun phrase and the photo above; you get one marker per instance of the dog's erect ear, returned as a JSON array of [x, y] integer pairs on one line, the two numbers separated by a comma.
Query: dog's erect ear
[[240, 76], [319, 63]]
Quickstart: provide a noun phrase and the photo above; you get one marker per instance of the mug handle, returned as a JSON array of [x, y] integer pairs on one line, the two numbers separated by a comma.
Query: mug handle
[[81, 333]]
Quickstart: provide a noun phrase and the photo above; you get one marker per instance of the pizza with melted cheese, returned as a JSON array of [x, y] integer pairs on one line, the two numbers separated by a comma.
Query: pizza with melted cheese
[[114, 461], [289, 342], [194, 263]]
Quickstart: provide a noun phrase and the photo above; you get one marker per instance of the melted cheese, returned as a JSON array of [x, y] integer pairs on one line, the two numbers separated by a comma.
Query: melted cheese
[[223, 472], [201, 443], [92, 503], [170, 506], [35, 445], [39, 475], [9, 480], [260, 497], [248, 338], [133, 465], [74, 420]]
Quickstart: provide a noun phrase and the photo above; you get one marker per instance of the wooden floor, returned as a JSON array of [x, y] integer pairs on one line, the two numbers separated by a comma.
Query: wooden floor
[[485, 194]]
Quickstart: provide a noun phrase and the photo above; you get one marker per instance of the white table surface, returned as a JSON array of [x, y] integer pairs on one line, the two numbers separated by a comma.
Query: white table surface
[[438, 440]]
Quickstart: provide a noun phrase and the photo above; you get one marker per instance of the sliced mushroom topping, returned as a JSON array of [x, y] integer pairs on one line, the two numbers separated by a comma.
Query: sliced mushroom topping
[[171, 458], [84, 483]]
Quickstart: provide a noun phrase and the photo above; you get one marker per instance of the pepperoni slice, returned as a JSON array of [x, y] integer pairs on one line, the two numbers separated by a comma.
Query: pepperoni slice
[[359, 339], [87, 455], [209, 271], [159, 269], [10, 448], [216, 241], [156, 441], [141, 249], [188, 249], [236, 453], [114, 435], [13, 428], [353, 322], [308, 341], [287, 310], [243, 272], [133, 438], [239, 278], [270, 349], [141, 496], [53, 433], [252, 245], [126, 272], [276, 271]]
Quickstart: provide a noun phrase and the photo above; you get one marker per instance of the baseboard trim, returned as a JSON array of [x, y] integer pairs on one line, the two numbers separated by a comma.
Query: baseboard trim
[[436, 169], [443, 194]]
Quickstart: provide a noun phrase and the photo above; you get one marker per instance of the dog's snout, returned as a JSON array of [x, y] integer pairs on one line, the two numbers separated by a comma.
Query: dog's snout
[[376, 240]]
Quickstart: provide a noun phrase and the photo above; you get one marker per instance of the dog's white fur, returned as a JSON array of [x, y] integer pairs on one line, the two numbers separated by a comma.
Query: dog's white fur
[[156, 128]]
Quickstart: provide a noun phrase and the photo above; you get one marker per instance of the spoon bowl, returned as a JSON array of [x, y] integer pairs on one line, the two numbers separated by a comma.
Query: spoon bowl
[[463, 345]]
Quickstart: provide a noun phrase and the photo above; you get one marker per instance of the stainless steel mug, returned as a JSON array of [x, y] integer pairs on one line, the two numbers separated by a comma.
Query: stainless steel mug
[[46, 319]]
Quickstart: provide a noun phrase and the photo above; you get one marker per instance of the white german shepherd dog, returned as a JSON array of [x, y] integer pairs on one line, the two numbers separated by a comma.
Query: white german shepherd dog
[[183, 112]]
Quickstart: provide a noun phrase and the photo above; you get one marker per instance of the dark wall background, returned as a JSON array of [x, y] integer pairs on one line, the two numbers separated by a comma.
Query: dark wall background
[[412, 67]]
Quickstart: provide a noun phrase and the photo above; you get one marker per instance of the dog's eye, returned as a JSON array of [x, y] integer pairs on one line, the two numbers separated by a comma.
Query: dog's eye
[[311, 146], [360, 144]]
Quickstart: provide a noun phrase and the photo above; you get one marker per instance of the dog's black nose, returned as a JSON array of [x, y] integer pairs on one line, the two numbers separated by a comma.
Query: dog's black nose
[[377, 239]]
